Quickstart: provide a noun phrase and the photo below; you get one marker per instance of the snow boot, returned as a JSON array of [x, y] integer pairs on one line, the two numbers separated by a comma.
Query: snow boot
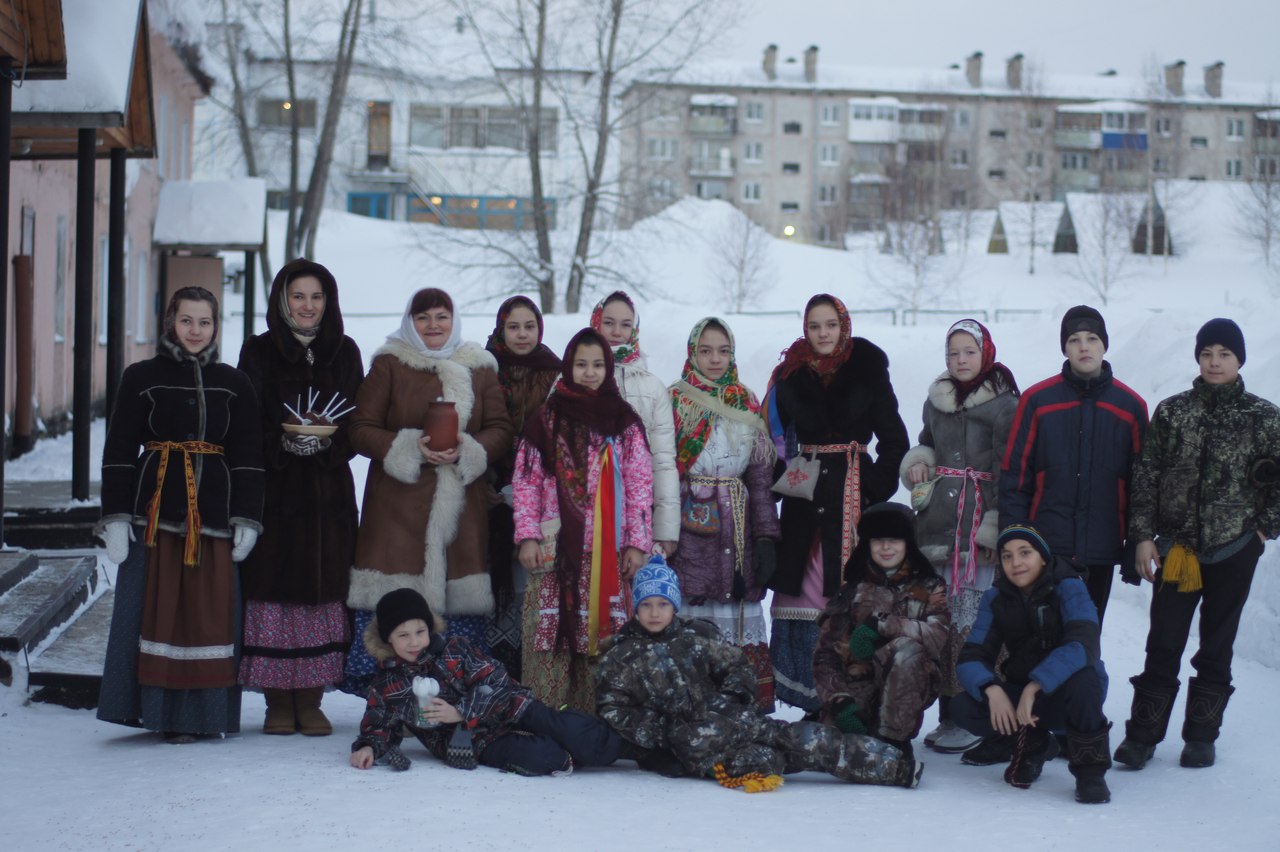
[[1148, 722], [1032, 747], [1206, 702], [1090, 758], [311, 720], [997, 748], [280, 712], [954, 739]]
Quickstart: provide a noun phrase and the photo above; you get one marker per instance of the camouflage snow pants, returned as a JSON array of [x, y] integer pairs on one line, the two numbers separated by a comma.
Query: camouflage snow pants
[[901, 685], [789, 747]]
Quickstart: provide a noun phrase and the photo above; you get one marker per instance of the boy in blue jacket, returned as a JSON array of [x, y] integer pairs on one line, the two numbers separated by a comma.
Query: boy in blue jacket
[[1040, 612]]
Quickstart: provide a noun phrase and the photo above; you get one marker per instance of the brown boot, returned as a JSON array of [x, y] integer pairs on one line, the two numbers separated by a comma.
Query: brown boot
[[311, 721], [279, 712]]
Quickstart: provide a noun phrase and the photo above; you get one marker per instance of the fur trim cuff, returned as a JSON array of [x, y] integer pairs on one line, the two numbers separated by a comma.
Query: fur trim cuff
[[368, 587], [989, 531], [472, 595], [918, 453], [404, 460], [472, 459]]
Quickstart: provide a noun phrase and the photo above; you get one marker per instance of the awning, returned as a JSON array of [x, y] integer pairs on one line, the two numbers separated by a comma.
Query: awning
[[215, 215]]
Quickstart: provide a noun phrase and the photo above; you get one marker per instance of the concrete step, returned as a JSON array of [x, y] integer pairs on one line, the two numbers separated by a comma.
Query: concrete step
[[15, 567], [64, 528], [69, 670], [45, 599]]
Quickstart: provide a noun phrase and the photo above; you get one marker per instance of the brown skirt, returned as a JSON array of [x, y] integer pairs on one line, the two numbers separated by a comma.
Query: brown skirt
[[188, 636]]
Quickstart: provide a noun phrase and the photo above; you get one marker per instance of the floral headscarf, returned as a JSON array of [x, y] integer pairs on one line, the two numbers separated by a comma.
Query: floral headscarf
[[628, 352], [999, 375]]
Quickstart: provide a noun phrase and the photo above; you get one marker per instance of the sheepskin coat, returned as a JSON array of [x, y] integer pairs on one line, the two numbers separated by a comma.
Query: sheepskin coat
[[968, 435], [425, 527]]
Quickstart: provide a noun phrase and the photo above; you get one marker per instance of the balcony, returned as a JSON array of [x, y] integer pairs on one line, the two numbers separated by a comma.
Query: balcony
[[712, 125], [723, 166], [1077, 181], [1264, 145], [1124, 141], [1088, 140]]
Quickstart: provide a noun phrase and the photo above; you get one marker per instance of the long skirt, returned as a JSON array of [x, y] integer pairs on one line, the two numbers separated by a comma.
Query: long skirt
[[742, 624], [174, 641], [963, 604], [795, 636], [293, 646], [560, 677]]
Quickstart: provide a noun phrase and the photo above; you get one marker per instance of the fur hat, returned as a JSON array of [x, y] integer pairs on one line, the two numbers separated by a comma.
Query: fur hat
[[1223, 332], [886, 520], [1024, 533], [655, 579], [1083, 318], [395, 608]]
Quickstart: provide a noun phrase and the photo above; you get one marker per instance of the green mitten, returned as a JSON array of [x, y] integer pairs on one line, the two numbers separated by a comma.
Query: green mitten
[[862, 641], [847, 720]]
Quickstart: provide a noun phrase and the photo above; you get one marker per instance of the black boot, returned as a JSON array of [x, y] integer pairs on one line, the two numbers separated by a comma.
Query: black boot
[[1032, 748], [992, 750], [1090, 758], [903, 746], [1148, 722], [1206, 702]]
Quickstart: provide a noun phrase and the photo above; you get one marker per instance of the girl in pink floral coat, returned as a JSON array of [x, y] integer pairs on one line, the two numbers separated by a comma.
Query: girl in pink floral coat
[[583, 489]]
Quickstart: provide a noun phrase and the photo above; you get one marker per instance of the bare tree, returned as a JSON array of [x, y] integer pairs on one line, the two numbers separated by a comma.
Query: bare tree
[[741, 259], [1258, 203], [1104, 224], [1028, 121]]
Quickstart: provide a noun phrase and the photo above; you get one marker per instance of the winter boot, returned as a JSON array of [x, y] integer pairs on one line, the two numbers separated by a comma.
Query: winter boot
[[994, 749], [849, 757], [903, 746], [954, 739], [280, 710], [1032, 748], [1148, 722], [1090, 758], [1206, 703], [311, 720]]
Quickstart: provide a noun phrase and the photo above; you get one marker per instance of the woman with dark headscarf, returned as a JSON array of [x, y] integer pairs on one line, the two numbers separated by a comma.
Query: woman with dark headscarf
[[181, 503], [828, 399], [295, 581], [526, 371], [583, 493]]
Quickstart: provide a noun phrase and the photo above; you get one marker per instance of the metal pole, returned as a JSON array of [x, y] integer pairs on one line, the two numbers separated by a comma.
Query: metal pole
[[250, 272], [82, 342], [115, 280], [6, 119]]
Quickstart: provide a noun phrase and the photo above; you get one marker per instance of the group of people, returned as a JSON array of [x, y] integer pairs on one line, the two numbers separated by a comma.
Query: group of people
[[509, 592]]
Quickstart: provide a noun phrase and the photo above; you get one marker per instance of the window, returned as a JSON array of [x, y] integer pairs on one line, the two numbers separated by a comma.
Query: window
[[1262, 167], [502, 129], [830, 114], [1199, 142], [1120, 163], [863, 112], [959, 158], [790, 207], [751, 193], [753, 152], [664, 149], [1035, 122], [1235, 129], [791, 127], [662, 188], [755, 111], [1113, 121], [871, 153], [829, 155], [1160, 165], [828, 194], [791, 168], [426, 126], [824, 233], [273, 112], [996, 174], [886, 113], [1075, 162], [997, 135], [142, 302], [961, 119], [549, 131], [959, 198], [1233, 169], [1164, 126], [1035, 161], [184, 153], [375, 205], [103, 254], [464, 127], [60, 282]]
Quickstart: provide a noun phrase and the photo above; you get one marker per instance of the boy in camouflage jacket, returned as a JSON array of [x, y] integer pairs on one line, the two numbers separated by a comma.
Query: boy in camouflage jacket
[[674, 690], [1202, 520]]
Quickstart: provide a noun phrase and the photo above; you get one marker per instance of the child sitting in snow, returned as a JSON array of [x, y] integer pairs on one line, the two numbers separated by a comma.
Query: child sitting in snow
[[461, 704], [881, 638], [1040, 611], [672, 688]]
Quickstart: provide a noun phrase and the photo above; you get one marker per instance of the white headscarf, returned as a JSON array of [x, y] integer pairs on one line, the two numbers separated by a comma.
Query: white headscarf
[[409, 335]]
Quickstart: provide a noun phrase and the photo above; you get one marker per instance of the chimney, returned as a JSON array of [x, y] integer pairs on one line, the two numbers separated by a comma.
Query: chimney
[[811, 64], [771, 62], [973, 69], [1173, 78], [1013, 72], [1213, 79]]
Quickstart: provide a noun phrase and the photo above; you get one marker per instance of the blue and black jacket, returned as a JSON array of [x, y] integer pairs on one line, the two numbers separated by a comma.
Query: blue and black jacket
[[1051, 633]]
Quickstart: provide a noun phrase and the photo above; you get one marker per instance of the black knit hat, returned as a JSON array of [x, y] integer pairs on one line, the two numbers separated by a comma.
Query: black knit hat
[[1024, 533], [1083, 318], [395, 608], [1223, 332]]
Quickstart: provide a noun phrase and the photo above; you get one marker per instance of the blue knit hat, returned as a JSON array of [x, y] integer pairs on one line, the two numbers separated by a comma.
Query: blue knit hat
[[1026, 533], [655, 578]]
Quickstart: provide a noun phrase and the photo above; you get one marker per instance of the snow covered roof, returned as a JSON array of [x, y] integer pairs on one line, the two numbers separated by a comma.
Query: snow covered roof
[[1104, 106], [1018, 218], [223, 214], [876, 100], [872, 179], [101, 37], [1268, 115], [713, 100]]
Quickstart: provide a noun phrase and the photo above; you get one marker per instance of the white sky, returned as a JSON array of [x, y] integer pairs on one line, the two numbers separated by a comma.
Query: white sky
[[1081, 36]]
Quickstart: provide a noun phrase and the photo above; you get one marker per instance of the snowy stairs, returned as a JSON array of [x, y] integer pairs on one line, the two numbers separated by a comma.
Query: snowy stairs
[[40, 593]]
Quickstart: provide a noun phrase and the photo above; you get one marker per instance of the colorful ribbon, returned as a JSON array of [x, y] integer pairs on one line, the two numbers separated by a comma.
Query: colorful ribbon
[[604, 547], [191, 554], [971, 567], [852, 509]]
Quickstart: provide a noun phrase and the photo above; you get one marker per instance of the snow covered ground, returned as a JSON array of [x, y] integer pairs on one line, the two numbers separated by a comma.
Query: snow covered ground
[[73, 782]]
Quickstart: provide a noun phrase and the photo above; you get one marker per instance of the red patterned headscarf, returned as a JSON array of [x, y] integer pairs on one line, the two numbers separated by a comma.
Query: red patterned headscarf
[[630, 351], [999, 375], [802, 354]]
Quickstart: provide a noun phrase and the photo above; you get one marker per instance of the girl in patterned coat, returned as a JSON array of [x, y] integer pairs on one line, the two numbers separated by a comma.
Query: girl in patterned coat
[[583, 487]]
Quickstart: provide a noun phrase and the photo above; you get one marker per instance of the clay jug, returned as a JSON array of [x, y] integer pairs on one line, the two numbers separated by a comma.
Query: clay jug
[[441, 426]]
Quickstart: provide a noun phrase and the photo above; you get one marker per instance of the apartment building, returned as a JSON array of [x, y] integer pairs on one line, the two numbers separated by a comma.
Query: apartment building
[[811, 154]]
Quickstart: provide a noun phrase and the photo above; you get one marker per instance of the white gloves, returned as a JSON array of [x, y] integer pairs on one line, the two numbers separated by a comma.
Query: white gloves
[[245, 539], [116, 535]]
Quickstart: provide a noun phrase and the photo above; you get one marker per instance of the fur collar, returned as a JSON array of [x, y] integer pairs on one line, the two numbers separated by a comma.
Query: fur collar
[[942, 395], [469, 356], [384, 653]]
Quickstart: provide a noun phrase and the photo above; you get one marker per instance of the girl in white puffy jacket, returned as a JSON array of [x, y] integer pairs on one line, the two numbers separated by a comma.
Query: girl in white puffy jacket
[[616, 319]]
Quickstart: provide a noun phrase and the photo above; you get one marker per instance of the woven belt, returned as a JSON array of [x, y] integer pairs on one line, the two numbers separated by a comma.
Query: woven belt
[[852, 509], [971, 570], [191, 554], [737, 509]]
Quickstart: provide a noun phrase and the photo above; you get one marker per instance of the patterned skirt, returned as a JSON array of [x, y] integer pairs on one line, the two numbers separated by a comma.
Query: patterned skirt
[[742, 624], [557, 677], [293, 646]]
